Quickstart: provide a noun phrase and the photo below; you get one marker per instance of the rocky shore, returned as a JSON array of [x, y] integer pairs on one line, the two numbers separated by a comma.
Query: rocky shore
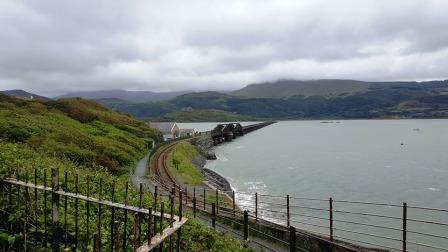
[[204, 144]]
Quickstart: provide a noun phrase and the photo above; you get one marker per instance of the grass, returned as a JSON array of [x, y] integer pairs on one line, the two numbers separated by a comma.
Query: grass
[[182, 164]]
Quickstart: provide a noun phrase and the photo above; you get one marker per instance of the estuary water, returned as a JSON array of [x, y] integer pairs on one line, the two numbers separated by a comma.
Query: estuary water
[[388, 161]]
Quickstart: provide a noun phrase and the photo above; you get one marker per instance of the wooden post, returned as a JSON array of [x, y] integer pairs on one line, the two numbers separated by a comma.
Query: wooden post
[[292, 239], [404, 226], [179, 231], [55, 209], [213, 215], [287, 211], [331, 219], [246, 225]]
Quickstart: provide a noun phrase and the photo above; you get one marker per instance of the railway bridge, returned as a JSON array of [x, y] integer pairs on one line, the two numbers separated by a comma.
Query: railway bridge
[[226, 132]]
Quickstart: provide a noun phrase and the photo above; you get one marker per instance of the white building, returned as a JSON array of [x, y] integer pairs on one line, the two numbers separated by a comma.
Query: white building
[[170, 130]]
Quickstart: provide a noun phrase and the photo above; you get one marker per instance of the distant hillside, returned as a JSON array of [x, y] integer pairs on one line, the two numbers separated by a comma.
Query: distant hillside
[[370, 100], [23, 94], [206, 115], [288, 88], [129, 96]]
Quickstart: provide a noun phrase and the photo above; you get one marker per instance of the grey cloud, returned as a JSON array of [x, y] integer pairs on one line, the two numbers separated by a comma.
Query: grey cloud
[[51, 46]]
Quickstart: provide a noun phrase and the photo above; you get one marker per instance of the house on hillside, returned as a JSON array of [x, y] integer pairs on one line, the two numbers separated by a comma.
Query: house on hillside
[[170, 130]]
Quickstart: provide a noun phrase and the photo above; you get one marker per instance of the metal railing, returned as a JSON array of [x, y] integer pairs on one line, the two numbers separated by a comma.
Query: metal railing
[[61, 216], [356, 224]]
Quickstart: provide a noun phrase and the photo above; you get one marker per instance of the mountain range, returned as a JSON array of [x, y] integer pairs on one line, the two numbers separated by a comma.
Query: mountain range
[[129, 96], [285, 99]]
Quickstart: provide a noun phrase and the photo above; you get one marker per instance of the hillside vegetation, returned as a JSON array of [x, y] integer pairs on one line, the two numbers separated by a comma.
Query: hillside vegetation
[[288, 88], [81, 131], [79, 137], [326, 99]]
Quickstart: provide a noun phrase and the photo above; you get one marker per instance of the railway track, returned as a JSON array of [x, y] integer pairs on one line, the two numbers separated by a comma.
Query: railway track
[[163, 176]]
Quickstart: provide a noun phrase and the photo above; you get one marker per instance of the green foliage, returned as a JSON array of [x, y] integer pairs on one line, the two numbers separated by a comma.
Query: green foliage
[[81, 131], [183, 155], [37, 136], [200, 238]]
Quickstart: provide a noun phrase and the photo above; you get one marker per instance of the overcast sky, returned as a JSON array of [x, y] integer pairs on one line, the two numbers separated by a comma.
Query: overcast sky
[[52, 47]]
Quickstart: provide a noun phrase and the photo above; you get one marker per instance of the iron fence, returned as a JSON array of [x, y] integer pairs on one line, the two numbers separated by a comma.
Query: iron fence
[[58, 216]]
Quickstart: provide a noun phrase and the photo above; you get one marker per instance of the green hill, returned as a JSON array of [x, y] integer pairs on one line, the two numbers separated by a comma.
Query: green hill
[[81, 131], [84, 138], [288, 88]]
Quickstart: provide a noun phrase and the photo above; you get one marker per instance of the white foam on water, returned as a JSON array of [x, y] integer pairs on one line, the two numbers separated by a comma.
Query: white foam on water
[[433, 189]]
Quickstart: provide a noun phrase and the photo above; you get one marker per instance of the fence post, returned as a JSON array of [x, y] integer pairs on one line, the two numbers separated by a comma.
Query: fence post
[[194, 207], [404, 225], [136, 231], [171, 220], [213, 215], [179, 231], [246, 225], [55, 209], [45, 211], [204, 198], [125, 216], [331, 218], [233, 202], [292, 239], [117, 236], [76, 211], [35, 208], [217, 202], [112, 218], [155, 198], [287, 211], [140, 205], [256, 206], [149, 233], [186, 196], [99, 214], [96, 246], [65, 211]]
